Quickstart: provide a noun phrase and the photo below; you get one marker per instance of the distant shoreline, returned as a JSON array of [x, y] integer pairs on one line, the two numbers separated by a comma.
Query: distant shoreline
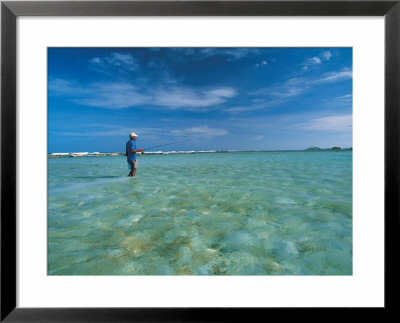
[[100, 154]]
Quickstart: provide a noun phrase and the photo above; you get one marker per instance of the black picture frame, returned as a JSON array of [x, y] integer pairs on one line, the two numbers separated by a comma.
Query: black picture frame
[[10, 10]]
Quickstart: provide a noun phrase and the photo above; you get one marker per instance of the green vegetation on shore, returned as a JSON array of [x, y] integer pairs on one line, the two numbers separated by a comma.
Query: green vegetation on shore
[[333, 148]]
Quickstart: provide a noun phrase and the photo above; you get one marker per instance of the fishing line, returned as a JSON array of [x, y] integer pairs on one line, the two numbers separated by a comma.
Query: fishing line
[[175, 142]]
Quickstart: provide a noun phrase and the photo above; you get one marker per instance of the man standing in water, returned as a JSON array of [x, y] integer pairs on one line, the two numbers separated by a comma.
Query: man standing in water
[[131, 153]]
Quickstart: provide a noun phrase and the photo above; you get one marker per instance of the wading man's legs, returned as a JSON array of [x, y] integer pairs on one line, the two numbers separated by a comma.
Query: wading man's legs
[[133, 168]]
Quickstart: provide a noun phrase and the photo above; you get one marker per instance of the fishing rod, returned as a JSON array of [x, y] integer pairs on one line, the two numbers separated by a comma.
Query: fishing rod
[[175, 142]]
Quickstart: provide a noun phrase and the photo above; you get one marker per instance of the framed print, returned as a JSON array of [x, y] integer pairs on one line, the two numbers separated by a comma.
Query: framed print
[[259, 153]]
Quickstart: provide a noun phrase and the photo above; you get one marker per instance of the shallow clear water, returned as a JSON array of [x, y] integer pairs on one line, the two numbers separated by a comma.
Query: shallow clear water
[[258, 213]]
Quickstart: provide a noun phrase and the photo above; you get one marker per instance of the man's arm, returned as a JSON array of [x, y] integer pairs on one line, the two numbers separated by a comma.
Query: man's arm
[[133, 148]]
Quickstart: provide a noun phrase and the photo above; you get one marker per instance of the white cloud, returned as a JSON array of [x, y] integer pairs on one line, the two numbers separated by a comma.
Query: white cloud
[[95, 60], [187, 98], [263, 63], [100, 133], [223, 92], [280, 93], [296, 86], [112, 96], [290, 88], [342, 75], [259, 105], [315, 60], [241, 109], [345, 98], [204, 53], [124, 95], [105, 130], [238, 53], [120, 62], [326, 55], [145, 133], [311, 62], [258, 137], [340, 123], [210, 132], [60, 87], [200, 132]]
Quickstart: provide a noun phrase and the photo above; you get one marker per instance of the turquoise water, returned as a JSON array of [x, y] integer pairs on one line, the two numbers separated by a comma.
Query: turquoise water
[[257, 213]]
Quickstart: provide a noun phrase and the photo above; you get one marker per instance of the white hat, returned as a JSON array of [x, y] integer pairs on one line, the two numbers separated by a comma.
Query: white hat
[[132, 134]]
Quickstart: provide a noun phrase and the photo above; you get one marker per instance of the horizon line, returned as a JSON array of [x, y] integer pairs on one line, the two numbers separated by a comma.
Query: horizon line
[[205, 151]]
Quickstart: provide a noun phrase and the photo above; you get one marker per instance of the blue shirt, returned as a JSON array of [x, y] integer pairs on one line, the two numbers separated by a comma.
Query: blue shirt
[[131, 144]]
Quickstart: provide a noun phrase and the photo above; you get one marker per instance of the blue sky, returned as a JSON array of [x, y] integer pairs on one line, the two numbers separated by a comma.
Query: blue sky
[[205, 98]]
